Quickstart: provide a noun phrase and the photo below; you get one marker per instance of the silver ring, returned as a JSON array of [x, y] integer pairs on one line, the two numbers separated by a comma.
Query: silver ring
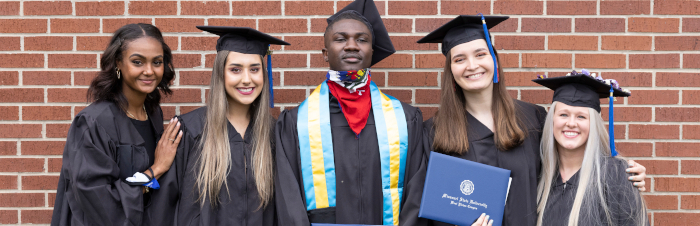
[[171, 140]]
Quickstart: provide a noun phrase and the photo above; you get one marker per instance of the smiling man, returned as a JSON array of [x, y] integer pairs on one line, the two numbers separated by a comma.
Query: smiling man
[[348, 153]]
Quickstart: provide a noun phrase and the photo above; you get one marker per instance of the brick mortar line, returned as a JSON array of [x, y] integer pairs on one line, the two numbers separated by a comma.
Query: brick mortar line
[[674, 211], [283, 7], [126, 7], [179, 8], [282, 77], [633, 88], [21, 8], [21, 43], [101, 25], [19, 148], [207, 52], [525, 69], [15, 122], [386, 8], [33, 140], [439, 7], [544, 6], [663, 141], [413, 33], [386, 15], [645, 158], [43, 135], [19, 174], [26, 104], [390, 16], [26, 208], [230, 8]]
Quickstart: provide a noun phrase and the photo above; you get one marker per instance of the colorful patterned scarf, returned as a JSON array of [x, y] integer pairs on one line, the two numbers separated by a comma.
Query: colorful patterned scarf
[[349, 88]]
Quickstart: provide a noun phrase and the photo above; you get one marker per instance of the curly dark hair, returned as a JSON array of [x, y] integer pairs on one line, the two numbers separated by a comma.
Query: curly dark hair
[[107, 87]]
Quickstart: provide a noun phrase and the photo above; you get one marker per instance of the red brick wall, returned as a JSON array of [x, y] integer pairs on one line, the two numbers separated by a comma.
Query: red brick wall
[[49, 52]]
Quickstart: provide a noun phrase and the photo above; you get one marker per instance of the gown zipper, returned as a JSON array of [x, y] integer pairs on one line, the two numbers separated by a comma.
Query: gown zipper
[[245, 163], [360, 175]]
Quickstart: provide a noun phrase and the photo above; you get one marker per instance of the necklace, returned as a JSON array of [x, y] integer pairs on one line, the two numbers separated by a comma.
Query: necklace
[[134, 117]]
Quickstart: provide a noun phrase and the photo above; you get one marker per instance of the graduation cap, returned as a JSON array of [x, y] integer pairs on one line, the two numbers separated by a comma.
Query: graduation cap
[[463, 29], [381, 44], [246, 40], [585, 90]]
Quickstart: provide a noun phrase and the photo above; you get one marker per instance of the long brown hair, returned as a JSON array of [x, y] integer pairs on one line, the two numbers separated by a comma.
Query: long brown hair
[[215, 159], [450, 121]]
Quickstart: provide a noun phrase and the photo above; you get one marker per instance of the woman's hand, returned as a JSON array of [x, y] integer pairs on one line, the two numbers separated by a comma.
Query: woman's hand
[[483, 221], [640, 174], [166, 148]]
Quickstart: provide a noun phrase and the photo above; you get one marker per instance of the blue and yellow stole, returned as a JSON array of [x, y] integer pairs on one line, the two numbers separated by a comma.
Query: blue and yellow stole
[[316, 146]]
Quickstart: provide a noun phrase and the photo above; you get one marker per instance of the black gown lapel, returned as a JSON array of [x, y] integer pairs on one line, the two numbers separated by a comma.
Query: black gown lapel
[[482, 146]]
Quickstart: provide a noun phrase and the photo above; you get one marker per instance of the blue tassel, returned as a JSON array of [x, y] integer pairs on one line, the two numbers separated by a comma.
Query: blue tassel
[[269, 77], [611, 124], [488, 42]]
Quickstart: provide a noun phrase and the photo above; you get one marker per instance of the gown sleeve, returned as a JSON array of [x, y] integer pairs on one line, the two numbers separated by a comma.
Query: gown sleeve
[[625, 202], [165, 205], [416, 171], [188, 209], [291, 209], [93, 178]]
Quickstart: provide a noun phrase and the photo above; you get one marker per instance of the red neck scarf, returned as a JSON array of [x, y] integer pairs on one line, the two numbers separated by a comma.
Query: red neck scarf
[[351, 90]]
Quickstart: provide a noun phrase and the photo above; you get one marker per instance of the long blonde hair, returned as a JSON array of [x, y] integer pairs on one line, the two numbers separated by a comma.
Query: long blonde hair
[[590, 198], [215, 159]]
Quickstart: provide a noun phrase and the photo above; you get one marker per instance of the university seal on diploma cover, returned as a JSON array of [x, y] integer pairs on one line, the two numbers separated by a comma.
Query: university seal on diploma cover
[[467, 187]]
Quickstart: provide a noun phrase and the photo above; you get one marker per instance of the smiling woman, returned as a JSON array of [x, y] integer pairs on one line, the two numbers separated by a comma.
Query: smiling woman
[[225, 160], [116, 148], [582, 182]]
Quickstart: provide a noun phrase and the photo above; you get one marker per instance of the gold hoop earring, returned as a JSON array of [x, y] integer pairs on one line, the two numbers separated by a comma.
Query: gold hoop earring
[[119, 73]]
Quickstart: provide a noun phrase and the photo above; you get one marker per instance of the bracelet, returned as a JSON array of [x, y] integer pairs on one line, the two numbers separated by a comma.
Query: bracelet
[[150, 178], [153, 183]]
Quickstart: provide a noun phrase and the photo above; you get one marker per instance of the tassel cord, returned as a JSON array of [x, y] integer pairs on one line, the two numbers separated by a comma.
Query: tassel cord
[[488, 42], [611, 123], [269, 78]]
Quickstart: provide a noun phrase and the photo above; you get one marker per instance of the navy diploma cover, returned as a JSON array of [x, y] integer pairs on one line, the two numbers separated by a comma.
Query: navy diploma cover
[[458, 191]]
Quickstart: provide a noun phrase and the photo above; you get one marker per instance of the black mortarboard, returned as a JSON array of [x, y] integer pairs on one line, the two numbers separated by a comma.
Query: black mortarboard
[[246, 40], [242, 39], [463, 29], [580, 90], [381, 44], [585, 90]]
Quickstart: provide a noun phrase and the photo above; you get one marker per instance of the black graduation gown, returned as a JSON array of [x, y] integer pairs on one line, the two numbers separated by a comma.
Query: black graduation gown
[[91, 190], [357, 168], [237, 207], [621, 196], [523, 161]]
